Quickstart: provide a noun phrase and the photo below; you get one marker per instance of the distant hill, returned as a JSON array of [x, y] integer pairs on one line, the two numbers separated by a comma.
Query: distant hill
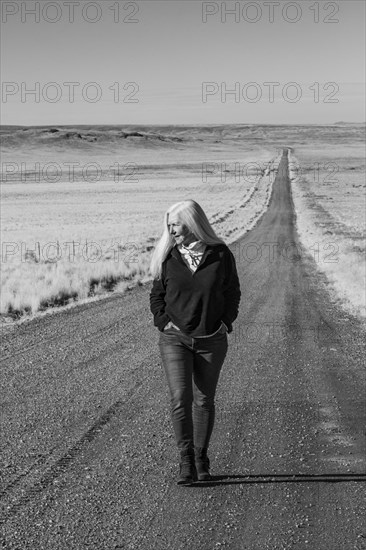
[[343, 123], [79, 141]]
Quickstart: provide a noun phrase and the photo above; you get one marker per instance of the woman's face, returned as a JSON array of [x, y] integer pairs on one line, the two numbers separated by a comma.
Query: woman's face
[[179, 231]]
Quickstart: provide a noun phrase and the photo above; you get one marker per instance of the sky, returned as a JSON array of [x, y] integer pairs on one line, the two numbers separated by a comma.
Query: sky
[[182, 62]]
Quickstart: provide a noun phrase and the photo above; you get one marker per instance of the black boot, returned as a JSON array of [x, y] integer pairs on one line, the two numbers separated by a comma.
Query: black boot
[[187, 468], [202, 464]]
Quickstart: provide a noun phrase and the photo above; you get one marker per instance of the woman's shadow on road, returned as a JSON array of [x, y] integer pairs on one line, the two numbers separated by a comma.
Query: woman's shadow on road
[[237, 479]]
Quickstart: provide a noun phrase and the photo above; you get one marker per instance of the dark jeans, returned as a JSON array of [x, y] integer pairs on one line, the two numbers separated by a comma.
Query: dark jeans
[[192, 367]]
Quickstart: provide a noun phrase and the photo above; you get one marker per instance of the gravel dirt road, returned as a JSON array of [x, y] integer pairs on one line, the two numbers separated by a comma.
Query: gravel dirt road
[[88, 459]]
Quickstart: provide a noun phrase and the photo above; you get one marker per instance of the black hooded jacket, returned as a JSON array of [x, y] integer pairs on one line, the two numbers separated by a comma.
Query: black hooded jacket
[[197, 302]]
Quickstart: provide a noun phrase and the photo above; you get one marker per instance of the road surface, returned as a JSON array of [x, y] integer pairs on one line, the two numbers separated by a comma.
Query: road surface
[[88, 459]]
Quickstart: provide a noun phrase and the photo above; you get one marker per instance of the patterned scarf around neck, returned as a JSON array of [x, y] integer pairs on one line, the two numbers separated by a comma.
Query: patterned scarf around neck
[[192, 253]]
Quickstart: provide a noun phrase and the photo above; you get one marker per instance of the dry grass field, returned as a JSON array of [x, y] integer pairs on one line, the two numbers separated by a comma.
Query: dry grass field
[[329, 192]]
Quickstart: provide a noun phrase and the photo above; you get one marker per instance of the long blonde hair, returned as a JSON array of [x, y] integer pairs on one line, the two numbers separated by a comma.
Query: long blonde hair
[[191, 214]]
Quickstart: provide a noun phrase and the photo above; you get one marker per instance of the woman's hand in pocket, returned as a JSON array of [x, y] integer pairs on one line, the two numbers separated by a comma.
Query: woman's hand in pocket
[[223, 328]]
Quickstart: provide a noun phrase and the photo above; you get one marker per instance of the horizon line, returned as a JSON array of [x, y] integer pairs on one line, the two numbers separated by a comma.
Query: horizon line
[[203, 124]]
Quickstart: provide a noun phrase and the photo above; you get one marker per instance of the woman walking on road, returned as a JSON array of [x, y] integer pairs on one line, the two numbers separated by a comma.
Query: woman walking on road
[[194, 299]]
